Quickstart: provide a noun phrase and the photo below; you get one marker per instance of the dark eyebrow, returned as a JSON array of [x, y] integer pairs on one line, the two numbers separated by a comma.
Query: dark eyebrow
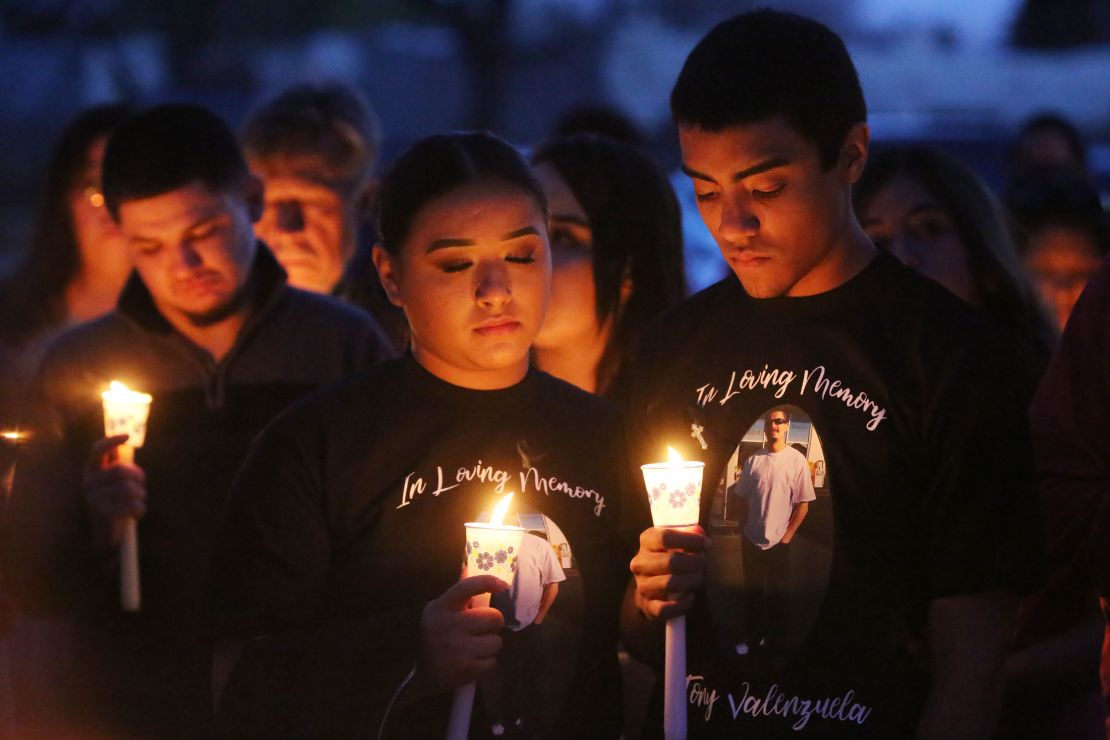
[[765, 165], [570, 219], [523, 231], [448, 243]]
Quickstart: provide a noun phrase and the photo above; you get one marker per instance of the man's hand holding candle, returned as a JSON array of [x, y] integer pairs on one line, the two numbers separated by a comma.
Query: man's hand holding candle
[[113, 491], [668, 568], [457, 643]]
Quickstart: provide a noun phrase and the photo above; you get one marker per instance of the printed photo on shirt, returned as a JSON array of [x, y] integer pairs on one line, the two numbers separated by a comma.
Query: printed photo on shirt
[[772, 529], [543, 622]]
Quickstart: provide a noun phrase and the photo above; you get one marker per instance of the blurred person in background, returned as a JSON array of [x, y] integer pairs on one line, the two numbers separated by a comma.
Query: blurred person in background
[[935, 215], [1065, 233], [1048, 140], [702, 260], [72, 271], [76, 262], [314, 146], [616, 245], [938, 217], [1070, 419], [601, 119]]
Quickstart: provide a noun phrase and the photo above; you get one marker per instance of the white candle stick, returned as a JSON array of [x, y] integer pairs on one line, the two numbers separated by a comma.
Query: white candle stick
[[491, 549], [674, 678], [126, 412], [674, 492]]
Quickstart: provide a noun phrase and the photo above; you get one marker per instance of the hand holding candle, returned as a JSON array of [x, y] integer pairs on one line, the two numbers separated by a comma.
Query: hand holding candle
[[490, 549], [459, 640], [674, 493], [126, 412]]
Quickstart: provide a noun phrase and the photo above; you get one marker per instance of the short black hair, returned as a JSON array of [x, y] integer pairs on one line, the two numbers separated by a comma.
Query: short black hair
[[768, 63], [436, 165], [169, 147]]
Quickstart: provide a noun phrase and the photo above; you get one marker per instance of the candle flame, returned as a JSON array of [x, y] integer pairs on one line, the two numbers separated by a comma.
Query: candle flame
[[117, 391], [673, 456], [501, 508], [13, 435]]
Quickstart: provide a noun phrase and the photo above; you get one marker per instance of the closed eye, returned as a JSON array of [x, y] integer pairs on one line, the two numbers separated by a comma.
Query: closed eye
[[457, 266], [769, 194]]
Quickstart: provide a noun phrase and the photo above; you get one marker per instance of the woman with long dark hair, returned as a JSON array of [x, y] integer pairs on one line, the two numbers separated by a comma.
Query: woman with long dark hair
[[937, 216], [75, 265], [616, 247]]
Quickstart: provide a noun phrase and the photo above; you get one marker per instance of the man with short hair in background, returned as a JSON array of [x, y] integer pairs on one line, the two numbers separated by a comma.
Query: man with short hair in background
[[315, 146]]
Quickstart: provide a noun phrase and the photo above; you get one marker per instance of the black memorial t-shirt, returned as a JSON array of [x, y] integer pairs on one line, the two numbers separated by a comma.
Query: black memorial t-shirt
[[348, 517], [910, 417]]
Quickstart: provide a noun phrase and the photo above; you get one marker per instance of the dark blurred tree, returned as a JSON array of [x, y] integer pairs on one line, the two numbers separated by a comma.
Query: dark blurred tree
[[91, 18], [1061, 24], [490, 42]]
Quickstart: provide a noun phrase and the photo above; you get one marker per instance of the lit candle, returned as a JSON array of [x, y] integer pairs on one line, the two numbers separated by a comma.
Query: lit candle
[[126, 412], [13, 439], [674, 492], [491, 549]]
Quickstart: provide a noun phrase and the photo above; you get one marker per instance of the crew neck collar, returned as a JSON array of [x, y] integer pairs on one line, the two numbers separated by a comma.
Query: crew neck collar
[[497, 401], [842, 297]]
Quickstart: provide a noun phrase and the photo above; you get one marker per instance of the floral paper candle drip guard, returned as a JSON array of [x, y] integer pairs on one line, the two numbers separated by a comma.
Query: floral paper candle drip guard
[[492, 549], [674, 492]]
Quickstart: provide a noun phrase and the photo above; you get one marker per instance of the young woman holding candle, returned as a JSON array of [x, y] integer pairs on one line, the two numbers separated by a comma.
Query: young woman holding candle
[[337, 589], [616, 252]]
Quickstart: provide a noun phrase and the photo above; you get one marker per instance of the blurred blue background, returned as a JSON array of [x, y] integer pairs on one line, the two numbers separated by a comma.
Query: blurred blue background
[[957, 73]]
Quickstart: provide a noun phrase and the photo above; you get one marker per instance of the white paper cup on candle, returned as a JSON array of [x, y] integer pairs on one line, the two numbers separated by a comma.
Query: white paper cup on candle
[[492, 550], [126, 412], [674, 494]]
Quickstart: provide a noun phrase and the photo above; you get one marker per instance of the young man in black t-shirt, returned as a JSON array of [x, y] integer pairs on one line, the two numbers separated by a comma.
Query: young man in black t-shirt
[[904, 581]]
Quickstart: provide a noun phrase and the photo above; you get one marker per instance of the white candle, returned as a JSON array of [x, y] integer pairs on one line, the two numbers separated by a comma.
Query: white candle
[[674, 493], [491, 549], [126, 412]]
